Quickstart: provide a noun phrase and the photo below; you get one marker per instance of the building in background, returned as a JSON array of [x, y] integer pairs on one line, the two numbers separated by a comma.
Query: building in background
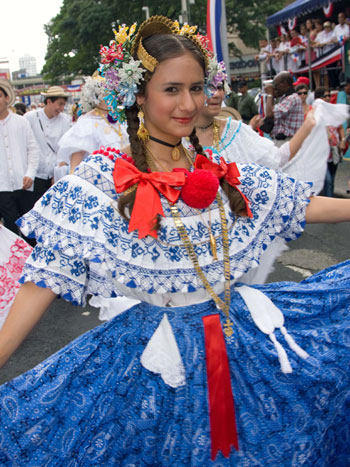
[[28, 63]]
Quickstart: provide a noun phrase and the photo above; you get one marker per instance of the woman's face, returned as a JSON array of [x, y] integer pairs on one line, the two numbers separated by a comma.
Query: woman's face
[[213, 105], [326, 96], [302, 93], [174, 98], [308, 25]]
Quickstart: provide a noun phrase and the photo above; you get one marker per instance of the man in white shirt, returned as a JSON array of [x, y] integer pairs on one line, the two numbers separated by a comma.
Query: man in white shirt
[[326, 40], [48, 124], [342, 30], [19, 158]]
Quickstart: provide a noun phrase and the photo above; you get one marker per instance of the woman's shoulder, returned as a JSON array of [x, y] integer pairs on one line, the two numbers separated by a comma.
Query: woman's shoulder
[[97, 169]]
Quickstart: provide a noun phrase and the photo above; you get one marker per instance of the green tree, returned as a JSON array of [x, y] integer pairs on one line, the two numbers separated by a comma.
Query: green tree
[[77, 31], [248, 18]]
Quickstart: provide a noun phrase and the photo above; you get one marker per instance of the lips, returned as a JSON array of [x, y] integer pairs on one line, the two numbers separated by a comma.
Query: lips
[[184, 121]]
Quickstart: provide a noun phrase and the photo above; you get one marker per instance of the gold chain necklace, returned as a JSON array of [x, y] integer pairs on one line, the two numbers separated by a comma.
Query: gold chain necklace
[[224, 305], [216, 135]]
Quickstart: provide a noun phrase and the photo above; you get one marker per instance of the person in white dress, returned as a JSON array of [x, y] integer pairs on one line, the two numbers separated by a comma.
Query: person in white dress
[[92, 130], [308, 146]]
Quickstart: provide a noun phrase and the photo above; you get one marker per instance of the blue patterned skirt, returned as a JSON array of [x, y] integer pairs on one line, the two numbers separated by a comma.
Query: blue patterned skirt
[[94, 404]]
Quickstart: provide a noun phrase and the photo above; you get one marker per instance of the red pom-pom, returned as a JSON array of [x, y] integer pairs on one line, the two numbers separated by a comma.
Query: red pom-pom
[[200, 189]]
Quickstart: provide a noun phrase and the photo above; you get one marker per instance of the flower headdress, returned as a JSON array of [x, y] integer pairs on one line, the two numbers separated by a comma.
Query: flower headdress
[[125, 61], [93, 92], [216, 73]]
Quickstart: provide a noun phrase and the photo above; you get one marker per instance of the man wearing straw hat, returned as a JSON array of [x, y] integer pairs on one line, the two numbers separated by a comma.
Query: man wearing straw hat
[[48, 124], [19, 158]]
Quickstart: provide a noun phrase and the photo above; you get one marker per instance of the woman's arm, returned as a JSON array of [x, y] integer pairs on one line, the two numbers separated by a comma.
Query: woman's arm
[[30, 304], [304, 131], [327, 210], [342, 143], [75, 160]]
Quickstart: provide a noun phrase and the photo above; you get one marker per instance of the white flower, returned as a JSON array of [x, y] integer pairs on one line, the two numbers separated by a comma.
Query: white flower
[[131, 72], [92, 93]]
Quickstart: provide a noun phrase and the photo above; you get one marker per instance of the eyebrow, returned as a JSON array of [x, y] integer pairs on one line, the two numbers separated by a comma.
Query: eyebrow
[[179, 83]]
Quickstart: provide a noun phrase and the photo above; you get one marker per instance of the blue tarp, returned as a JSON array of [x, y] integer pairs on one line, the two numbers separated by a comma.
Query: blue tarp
[[297, 8]]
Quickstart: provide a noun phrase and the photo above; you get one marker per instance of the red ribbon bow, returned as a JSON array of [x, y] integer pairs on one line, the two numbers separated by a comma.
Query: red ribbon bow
[[147, 201], [223, 170]]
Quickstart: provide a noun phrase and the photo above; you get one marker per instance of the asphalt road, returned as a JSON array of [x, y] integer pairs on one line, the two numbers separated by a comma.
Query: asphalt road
[[320, 246]]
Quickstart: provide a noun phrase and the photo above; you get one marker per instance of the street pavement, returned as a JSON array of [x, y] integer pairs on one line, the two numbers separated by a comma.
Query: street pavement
[[320, 246]]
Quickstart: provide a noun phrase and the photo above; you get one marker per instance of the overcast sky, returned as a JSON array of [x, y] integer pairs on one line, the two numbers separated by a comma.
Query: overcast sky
[[22, 29]]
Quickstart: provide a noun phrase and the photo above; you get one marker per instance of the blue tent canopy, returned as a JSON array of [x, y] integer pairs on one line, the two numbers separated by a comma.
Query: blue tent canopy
[[297, 8]]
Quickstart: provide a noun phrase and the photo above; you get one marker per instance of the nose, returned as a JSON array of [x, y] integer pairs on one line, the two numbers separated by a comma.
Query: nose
[[187, 103]]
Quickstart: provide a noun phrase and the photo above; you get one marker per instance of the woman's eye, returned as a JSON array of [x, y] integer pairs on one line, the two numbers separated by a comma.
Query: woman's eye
[[171, 89], [197, 88]]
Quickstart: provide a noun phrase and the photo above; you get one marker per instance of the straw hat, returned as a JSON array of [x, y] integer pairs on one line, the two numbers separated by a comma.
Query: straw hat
[[6, 86], [55, 91]]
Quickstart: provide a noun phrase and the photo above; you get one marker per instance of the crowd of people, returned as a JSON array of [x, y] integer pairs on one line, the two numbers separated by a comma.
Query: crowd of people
[[304, 44], [153, 198]]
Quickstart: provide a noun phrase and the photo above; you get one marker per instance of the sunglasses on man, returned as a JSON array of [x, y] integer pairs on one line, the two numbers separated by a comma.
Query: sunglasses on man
[[301, 93]]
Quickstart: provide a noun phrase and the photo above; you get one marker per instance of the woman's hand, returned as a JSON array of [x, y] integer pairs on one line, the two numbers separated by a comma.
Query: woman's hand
[[256, 121], [310, 121]]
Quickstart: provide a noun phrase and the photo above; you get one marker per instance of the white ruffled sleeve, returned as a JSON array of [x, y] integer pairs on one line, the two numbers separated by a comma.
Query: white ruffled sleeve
[[240, 143], [88, 134], [73, 224]]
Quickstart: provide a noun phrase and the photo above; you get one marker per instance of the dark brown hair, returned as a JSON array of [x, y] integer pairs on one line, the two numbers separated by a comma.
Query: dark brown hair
[[301, 86], [3, 91], [163, 47], [54, 99]]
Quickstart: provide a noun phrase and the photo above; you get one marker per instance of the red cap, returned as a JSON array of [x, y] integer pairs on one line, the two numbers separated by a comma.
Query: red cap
[[302, 80]]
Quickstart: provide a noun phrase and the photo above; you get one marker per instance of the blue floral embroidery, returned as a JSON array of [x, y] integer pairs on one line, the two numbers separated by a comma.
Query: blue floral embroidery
[[261, 197], [105, 237], [46, 199], [91, 202], [74, 215], [77, 268]]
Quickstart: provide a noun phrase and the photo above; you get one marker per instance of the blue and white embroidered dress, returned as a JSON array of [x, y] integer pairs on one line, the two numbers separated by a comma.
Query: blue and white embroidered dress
[[126, 394]]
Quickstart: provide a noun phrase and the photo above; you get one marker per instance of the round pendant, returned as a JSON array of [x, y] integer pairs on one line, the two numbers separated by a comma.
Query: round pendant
[[175, 154]]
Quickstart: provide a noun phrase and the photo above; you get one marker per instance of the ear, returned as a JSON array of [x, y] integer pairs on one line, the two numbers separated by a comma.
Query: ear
[[140, 100]]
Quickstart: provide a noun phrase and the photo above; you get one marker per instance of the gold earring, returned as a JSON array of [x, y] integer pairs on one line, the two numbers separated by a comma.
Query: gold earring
[[142, 132]]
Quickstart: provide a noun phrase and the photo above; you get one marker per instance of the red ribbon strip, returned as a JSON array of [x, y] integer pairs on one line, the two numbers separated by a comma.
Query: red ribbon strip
[[223, 427], [147, 201], [223, 170]]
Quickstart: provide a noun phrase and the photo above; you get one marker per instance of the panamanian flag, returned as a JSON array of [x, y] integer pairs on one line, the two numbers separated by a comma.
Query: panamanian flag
[[217, 30]]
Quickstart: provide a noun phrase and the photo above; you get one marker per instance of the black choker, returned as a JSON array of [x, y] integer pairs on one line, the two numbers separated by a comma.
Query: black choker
[[203, 128], [175, 153]]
